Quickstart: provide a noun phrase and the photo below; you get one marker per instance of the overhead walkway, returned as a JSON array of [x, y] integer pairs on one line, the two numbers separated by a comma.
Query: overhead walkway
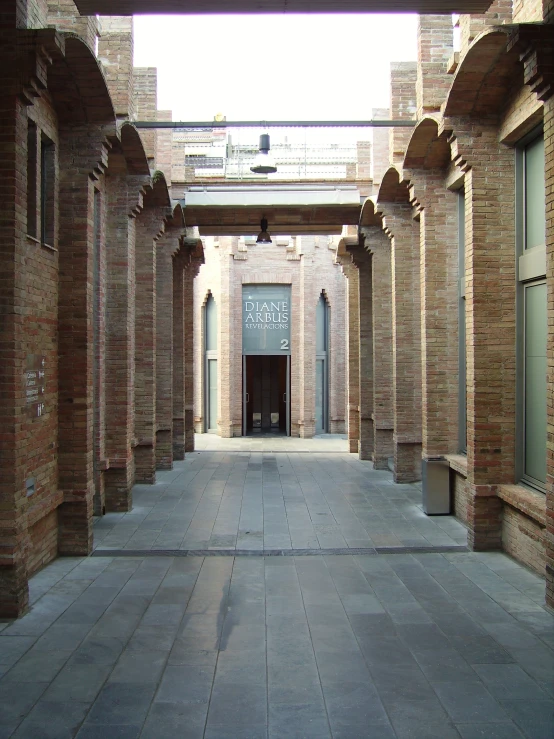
[[190, 620]]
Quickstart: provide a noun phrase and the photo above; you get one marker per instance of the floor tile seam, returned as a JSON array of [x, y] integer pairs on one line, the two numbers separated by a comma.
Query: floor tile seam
[[314, 651], [368, 664], [165, 663], [504, 580], [468, 613], [218, 648]]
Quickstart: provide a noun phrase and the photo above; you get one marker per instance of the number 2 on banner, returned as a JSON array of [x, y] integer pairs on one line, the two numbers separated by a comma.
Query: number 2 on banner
[[284, 343]]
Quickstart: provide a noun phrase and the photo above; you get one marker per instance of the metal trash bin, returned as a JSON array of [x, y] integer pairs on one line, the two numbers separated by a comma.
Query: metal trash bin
[[435, 476]]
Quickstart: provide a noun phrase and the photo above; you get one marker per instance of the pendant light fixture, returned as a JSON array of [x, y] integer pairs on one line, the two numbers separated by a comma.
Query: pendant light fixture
[[263, 236], [264, 163]]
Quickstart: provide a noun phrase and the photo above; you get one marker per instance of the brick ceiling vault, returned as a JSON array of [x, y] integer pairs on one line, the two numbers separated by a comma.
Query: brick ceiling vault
[[136, 7]]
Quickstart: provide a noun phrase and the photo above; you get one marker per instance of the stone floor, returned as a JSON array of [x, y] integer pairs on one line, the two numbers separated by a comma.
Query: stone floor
[[198, 634]]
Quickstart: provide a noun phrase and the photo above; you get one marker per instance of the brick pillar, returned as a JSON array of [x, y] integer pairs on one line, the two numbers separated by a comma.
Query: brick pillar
[[362, 260], [191, 271], [124, 203], [439, 311], [491, 323], [381, 292], [353, 356], [380, 159], [82, 150], [145, 102], [164, 160], [471, 26], [63, 14], [14, 540], [304, 306], [179, 354], [406, 341], [148, 228], [115, 53], [403, 106], [435, 46], [166, 246]]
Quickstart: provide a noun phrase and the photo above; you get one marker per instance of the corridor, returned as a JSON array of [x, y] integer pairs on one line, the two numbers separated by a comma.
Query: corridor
[[279, 588]]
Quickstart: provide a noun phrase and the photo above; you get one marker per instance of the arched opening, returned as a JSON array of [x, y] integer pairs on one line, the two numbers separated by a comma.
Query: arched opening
[[322, 367], [210, 365]]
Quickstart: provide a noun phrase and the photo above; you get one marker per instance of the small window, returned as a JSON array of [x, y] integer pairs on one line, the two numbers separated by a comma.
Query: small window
[[534, 194], [32, 180], [47, 193]]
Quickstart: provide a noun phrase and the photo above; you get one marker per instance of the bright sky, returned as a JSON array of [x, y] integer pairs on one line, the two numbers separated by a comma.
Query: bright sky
[[274, 67]]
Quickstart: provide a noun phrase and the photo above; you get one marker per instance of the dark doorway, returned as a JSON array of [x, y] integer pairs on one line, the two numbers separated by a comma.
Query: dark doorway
[[266, 401]]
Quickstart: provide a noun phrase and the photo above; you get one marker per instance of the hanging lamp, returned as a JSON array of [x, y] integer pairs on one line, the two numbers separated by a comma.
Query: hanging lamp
[[263, 236], [264, 163]]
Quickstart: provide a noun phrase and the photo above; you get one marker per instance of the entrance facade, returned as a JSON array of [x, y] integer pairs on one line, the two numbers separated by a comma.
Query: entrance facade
[[278, 359], [266, 395]]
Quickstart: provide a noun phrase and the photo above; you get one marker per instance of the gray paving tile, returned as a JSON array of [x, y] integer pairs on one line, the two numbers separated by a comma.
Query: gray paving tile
[[52, 720], [534, 717], [469, 702], [122, 704], [489, 731], [109, 731]]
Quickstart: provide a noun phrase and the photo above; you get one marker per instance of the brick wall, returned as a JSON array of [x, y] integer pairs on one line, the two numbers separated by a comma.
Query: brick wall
[[115, 53], [435, 46], [403, 106], [63, 14], [145, 106], [471, 26]]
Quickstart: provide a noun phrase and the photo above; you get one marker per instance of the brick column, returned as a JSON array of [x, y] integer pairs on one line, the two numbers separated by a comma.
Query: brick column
[[406, 341], [362, 259], [115, 53], [353, 356], [148, 228], [435, 40], [196, 260], [381, 292], [439, 311], [179, 353], [403, 106], [166, 246], [83, 150], [491, 323], [123, 205], [14, 539]]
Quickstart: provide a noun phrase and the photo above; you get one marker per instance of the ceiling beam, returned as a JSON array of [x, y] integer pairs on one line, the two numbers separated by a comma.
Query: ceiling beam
[[205, 7]]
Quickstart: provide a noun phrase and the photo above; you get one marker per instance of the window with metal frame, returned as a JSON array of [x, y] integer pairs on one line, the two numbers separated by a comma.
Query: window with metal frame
[[531, 310]]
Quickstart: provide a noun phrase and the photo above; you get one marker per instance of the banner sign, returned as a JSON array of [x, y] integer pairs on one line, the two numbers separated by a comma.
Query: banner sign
[[266, 319]]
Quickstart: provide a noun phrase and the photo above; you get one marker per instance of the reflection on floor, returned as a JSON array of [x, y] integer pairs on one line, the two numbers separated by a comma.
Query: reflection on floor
[[409, 645]]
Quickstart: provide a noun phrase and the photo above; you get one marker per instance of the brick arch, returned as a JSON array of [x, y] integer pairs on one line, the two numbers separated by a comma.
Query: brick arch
[[487, 73], [393, 189], [369, 215], [157, 193], [78, 86], [428, 148], [133, 149]]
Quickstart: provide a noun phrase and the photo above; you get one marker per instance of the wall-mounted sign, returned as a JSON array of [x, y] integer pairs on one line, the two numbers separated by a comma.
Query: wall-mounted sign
[[35, 384], [266, 319]]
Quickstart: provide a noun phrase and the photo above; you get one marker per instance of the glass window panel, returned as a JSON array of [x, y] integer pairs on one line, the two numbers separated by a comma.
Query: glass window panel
[[212, 393], [266, 319], [321, 325], [320, 396], [535, 382], [535, 203], [211, 324], [462, 373]]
